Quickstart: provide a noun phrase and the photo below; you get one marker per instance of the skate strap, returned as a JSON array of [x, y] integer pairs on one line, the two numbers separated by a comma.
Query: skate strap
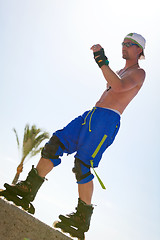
[[100, 181]]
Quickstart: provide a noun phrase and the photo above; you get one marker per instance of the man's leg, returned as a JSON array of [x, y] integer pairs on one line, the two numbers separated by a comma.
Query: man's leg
[[84, 179], [44, 166], [85, 192], [81, 218], [49, 158]]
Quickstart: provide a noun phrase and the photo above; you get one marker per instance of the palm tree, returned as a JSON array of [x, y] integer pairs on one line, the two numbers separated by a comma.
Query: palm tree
[[32, 139]]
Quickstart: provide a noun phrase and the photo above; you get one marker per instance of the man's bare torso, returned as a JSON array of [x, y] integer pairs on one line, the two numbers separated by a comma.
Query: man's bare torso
[[119, 100]]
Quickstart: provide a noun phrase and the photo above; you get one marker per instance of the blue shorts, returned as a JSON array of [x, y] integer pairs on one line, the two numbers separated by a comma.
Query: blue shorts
[[90, 134]]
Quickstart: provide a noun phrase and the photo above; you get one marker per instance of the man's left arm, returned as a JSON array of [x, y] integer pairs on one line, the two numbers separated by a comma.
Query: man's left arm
[[125, 83], [117, 84]]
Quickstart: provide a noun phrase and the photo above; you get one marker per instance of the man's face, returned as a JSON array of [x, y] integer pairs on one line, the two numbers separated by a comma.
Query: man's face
[[130, 52]]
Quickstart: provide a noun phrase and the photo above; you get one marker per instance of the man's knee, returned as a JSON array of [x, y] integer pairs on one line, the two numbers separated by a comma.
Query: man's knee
[[82, 172], [52, 150]]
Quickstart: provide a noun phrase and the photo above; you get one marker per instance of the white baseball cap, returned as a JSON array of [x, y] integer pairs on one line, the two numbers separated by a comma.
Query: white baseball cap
[[139, 40]]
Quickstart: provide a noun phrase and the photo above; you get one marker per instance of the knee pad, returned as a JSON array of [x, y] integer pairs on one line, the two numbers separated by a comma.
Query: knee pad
[[82, 172], [52, 150]]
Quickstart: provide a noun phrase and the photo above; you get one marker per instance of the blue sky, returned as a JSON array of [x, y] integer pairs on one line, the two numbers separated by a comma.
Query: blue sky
[[48, 77]]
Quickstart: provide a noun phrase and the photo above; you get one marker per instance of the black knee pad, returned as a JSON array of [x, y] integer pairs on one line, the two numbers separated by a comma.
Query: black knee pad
[[50, 149], [82, 171]]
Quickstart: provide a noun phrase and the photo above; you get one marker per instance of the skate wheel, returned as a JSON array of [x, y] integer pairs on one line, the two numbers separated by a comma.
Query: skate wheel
[[27, 206], [55, 224], [58, 224], [1, 192], [31, 209], [73, 232]]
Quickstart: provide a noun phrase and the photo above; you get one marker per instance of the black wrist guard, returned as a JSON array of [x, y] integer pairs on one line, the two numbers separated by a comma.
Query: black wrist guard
[[101, 59]]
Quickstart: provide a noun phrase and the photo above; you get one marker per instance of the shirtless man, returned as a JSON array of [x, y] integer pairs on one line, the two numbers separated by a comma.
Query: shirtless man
[[90, 134], [125, 85]]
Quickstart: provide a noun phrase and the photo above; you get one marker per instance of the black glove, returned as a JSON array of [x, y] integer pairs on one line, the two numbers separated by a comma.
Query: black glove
[[102, 59]]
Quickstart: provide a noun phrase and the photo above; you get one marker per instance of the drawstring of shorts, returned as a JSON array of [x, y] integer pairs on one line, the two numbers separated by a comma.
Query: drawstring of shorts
[[99, 180], [99, 146], [92, 110]]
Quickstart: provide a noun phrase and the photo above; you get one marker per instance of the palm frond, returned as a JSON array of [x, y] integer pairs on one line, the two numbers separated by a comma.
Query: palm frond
[[40, 138], [32, 139], [37, 142], [35, 152], [26, 133], [17, 138]]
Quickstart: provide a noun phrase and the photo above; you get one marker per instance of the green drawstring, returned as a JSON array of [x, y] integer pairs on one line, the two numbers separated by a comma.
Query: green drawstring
[[99, 146], [100, 181], [86, 117], [93, 110], [94, 155], [91, 119]]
